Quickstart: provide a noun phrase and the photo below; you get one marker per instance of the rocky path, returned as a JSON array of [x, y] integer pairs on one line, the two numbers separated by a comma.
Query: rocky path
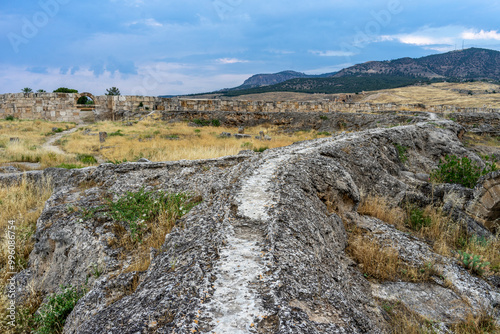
[[50, 144], [235, 305]]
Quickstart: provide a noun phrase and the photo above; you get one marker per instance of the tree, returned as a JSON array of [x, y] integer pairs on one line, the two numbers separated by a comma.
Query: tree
[[65, 90], [113, 91], [41, 91], [84, 100], [27, 90]]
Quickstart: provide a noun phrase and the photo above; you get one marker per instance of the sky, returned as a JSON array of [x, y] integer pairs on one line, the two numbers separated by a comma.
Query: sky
[[162, 47]]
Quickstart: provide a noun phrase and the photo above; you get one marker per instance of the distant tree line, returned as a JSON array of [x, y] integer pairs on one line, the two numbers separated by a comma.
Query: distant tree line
[[113, 91]]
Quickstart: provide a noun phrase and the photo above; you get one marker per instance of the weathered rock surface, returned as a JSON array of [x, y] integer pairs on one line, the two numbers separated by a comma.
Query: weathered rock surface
[[265, 250]]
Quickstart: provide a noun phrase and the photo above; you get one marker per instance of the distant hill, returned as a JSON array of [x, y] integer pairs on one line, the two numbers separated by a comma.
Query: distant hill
[[260, 80], [470, 63], [352, 84]]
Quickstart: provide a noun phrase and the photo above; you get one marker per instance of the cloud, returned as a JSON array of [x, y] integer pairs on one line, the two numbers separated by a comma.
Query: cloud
[[152, 79], [474, 34], [231, 61], [426, 36], [146, 22], [333, 53]]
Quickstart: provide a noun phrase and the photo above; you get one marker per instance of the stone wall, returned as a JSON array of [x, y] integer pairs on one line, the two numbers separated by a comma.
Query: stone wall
[[64, 107]]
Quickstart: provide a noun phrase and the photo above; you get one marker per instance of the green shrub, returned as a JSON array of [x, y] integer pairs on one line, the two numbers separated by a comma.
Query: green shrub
[[138, 208], [324, 133], [86, 159], [323, 118], [116, 133], [260, 149], [202, 122], [215, 122], [462, 171], [417, 218], [474, 263], [197, 130], [10, 118], [402, 150], [52, 315]]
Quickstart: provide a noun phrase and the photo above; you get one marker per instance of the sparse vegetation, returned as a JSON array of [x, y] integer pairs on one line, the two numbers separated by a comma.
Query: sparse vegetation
[[464, 171], [86, 159], [52, 315], [446, 237], [139, 209], [260, 149], [402, 152], [483, 323], [22, 203], [383, 262]]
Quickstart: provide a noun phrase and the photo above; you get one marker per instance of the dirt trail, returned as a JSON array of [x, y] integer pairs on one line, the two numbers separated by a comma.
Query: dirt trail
[[50, 143]]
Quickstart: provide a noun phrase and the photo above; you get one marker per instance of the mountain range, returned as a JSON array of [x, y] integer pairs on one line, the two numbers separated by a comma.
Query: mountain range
[[459, 65]]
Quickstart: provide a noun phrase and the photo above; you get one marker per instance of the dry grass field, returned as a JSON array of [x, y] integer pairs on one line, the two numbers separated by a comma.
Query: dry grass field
[[22, 141], [151, 139], [470, 94]]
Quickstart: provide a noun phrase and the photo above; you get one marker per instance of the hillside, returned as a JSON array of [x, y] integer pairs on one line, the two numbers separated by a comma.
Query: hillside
[[352, 84], [470, 63]]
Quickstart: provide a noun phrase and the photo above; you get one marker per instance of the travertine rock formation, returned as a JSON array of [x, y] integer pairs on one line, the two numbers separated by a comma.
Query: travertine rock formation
[[265, 250]]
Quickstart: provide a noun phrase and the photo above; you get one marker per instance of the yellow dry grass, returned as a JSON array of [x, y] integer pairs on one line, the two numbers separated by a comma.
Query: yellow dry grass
[[477, 324], [375, 261], [32, 134], [483, 94], [379, 207], [442, 233], [162, 141], [22, 204], [151, 139]]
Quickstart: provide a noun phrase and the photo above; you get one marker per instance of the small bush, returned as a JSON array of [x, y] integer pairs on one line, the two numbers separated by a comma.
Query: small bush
[[10, 118], [52, 315], [462, 171], [474, 263], [116, 133], [202, 122], [260, 149], [215, 122], [86, 159], [323, 118], [417, 219], [324, 133], [197, 130]]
